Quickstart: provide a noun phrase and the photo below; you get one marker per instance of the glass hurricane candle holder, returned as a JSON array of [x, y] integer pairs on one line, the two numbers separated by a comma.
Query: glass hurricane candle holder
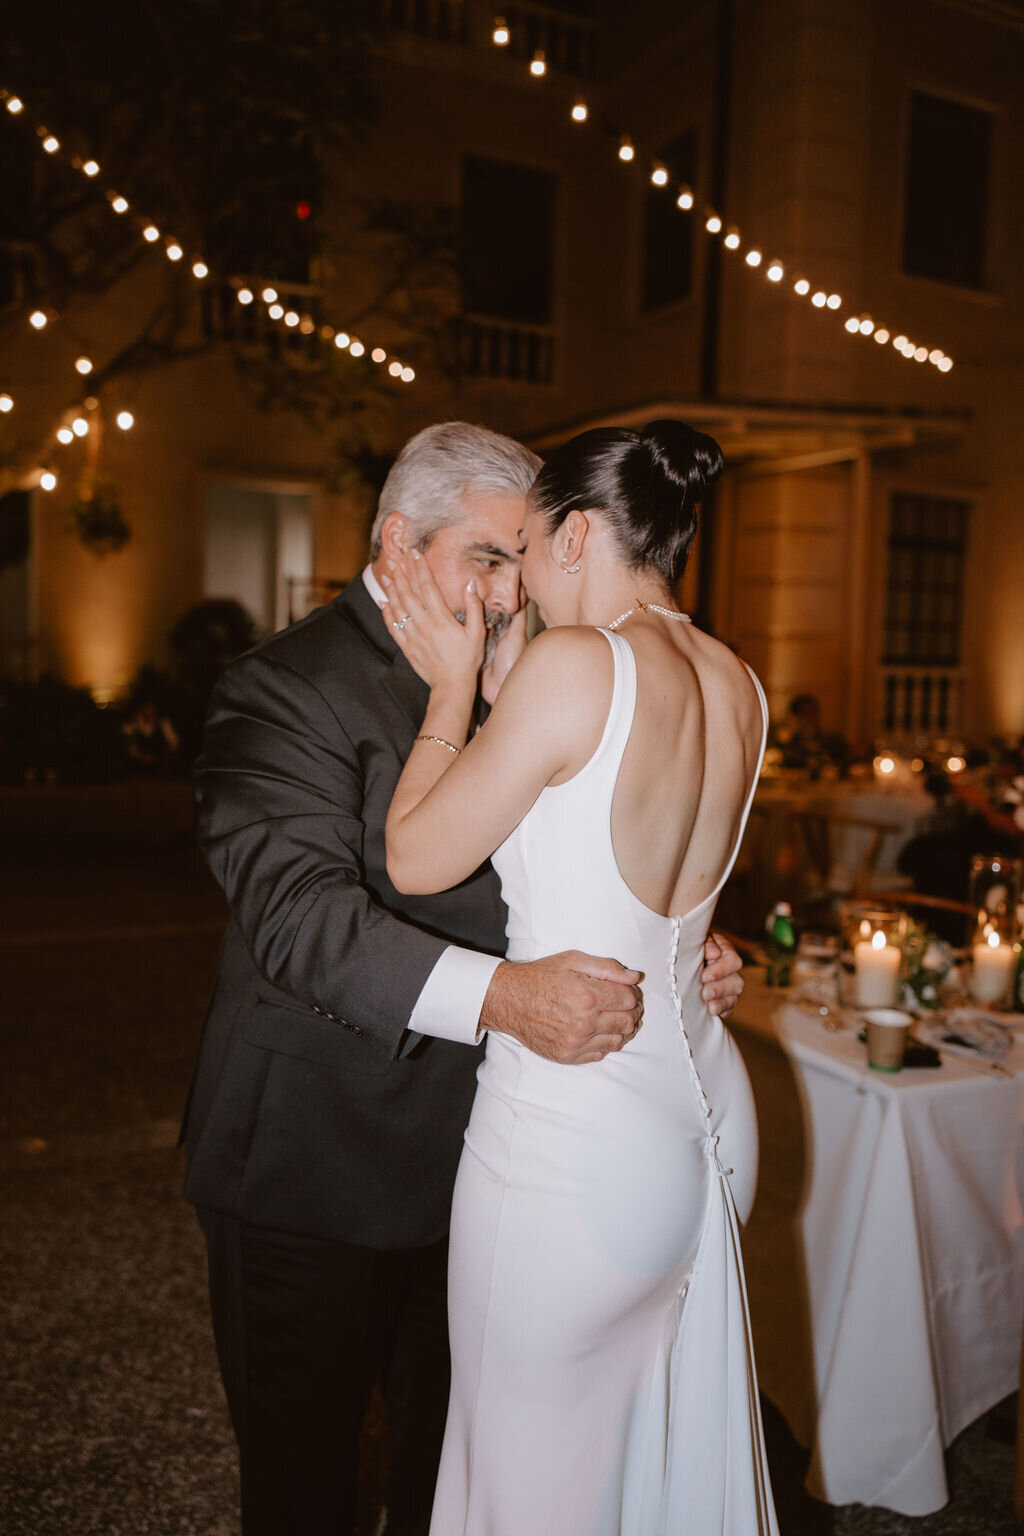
[[871, 954], [995, 893]]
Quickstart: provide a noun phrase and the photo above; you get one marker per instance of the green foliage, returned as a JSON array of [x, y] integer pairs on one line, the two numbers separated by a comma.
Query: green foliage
[[98, 521]]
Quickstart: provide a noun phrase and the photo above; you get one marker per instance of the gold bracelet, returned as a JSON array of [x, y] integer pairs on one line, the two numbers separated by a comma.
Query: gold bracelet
[[441, 743]]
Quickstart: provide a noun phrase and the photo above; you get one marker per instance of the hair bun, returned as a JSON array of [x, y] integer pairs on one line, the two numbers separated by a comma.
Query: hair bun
[[690, 459]]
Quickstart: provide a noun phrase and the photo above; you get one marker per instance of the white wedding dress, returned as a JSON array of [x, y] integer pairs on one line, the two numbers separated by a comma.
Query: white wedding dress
[[603, 1380]]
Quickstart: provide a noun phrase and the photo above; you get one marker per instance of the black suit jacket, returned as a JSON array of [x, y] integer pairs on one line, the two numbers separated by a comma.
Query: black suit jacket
[[312, 1110]]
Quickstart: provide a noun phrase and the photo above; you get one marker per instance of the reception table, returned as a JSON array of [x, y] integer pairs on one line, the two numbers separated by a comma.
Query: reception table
[[885, 1255]]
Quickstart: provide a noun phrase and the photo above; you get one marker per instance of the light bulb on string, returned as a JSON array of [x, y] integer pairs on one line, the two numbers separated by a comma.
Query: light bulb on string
[[65, 435], [713, 224], [200, 269], [732, 238], [538, 64], [268, 295], [867, 326], [920, 354], [579, 112], [626, 150], [499, 37], [395, 368], [51, 144], [275, 311], [945, 365], [685, 199], [119, 204], [753, 258], [307, 325], [834, 301], [291, 318], [356, 347], [174, 251], [327, 332], [6, 403], [15, 105], [48, 480], [659, 176], [802, 287], [91, 168], [151, 233], [342, 340], [125, 420], [899, 342], [37, 320], [407, 375], [775, 272], [80, 427], [935, 356], [819, 299], [83, 365], [245, 295], [378, 355], [852, 326], [881, 335]]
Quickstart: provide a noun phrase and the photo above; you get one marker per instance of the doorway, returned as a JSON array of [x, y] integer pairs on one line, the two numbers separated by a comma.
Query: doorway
[[258, 539]]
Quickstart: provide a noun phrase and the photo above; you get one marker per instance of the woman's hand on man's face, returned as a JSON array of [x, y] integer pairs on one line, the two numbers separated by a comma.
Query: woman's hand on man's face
[[437, 646]]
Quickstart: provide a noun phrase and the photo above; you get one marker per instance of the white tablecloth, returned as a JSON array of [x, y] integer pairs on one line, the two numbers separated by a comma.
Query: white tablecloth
[[885, 1255]]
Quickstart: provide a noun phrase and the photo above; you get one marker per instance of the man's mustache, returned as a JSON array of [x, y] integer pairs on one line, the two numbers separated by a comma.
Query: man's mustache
[[497, 623]]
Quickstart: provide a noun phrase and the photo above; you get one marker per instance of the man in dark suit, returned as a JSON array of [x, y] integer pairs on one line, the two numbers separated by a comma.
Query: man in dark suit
[[337, 1066]]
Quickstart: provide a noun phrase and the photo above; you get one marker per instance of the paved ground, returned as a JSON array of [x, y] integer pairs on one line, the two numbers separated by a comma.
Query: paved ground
[[113, 1420]]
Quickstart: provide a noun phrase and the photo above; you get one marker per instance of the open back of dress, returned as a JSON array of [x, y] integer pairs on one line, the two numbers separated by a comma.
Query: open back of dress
[[603, 1380]]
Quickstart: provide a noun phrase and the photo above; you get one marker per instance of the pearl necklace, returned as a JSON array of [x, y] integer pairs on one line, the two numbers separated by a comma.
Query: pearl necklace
[[667, 613]]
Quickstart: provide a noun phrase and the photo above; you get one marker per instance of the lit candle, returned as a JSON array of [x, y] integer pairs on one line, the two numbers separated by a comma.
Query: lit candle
[[993, 970], [877, 971]]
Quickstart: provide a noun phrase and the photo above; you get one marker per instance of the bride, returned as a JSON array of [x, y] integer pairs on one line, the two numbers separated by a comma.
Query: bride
[[602, 1375]]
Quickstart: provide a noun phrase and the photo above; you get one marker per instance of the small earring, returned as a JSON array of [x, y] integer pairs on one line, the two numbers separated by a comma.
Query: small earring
[[570, 570]]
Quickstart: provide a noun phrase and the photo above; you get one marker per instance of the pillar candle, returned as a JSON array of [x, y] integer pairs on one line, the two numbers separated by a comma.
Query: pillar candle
[[877, 970]]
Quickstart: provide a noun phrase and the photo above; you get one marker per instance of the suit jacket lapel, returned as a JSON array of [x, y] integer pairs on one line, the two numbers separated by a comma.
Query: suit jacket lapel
[[409, 691]]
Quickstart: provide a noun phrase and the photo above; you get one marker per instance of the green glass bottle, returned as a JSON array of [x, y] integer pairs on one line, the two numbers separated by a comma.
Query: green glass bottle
[[1017, 1003], [781, 945]]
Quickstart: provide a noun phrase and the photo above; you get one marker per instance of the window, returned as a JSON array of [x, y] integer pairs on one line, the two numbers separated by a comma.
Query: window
[[927, 548], [945, 202], [508, 236], [668, 232]]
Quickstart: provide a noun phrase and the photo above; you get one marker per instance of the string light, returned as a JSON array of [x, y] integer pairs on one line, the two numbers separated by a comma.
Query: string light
[[151, 233], [801, 286], [119, 204], [268, 295], [80, 427], [48, 480], [881, 335], [125, 420], [6, 403], [174, 251], [65, 435], [833, 301], [626, 150], [83, 365], [538, 64], [935, 356], [920, 354], [395, 369], [200, 269], [775, 272], [945, 365], [713, 224], [275, 311], [819, 299], [378, 354], [291, 318], [852, 326], [732, 238], [899, 342], [14, 105], [407, 375], [579, 112], [500, 35], [51, 144], [866, 326], [685, 199], [91, 168], [342, 340], [753, 258], [37, 319], [307, 325], [659, 176], [356, 348], [245, 296]]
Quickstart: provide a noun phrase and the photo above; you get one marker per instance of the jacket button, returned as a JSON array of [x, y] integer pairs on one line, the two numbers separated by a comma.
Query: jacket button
[[317, 1010]]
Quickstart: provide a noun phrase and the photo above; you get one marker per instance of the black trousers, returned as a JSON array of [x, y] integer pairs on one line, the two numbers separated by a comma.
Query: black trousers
[[303, 1327]]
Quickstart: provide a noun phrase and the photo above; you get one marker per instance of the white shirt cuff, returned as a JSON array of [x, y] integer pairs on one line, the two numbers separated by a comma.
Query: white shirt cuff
[[453, 995]]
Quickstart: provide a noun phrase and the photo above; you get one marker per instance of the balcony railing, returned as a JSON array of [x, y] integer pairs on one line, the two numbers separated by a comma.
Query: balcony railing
[[923, 701], [505, 349], [568, 41], [250, 326]]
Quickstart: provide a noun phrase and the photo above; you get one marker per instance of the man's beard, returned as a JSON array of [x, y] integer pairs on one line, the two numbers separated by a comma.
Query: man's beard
[[497, 623]]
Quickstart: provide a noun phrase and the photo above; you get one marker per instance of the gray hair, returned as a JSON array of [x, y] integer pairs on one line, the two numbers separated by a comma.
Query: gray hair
[[439, 467]]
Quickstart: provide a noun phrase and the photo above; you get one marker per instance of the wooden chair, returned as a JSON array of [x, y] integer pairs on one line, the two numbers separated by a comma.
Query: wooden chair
[[930, 907], [818, 835]]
